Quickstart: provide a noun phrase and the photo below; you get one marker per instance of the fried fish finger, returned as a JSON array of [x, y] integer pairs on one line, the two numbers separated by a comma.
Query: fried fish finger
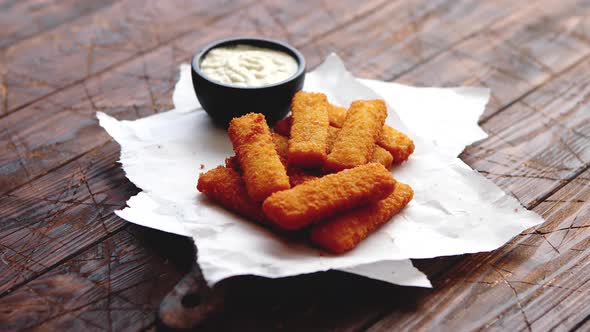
[[261, 166], [337, 115], [226, 187], [309, 129], [397, 143], [356, 140], [345, 231], [380, 155], [297, 177], [318, 199], [281, 144]]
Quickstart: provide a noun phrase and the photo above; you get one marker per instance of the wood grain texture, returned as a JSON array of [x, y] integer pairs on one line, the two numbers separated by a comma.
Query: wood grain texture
[[515, 56], [403, 34], [49, 62], [540, 142], [59, 214], [59, 181], [53, 60], [23, 19], [114, 285]]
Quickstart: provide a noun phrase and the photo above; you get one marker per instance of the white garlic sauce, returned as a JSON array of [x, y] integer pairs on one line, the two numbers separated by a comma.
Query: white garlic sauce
[[248, 66]]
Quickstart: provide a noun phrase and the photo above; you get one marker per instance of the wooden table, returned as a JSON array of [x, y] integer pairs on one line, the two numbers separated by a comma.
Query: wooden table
[[67, 262]]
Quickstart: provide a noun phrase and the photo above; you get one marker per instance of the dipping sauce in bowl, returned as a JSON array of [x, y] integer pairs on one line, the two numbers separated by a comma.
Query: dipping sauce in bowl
[[233, 77], [246, 65]]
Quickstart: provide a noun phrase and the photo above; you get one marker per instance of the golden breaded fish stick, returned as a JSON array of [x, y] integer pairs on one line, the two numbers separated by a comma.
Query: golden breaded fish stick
[[298, 177], [318, 199], [356, 140], [226, 187], [380, 155], [397, 143], [332, 135], [337, 115], [345, 231], [261, 166], [309, 129], [281, 144], [283, 127]]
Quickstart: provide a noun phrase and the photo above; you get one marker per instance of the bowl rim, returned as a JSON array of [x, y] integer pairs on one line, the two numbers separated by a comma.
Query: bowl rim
[[195, 63]]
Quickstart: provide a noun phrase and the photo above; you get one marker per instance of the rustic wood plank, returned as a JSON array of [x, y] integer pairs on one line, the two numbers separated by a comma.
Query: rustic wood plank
[[539, 143], [35, 68], [514, 56], [539, 281], [380, 47], [50, 61], [60, 214], [22, 19], [114, 285]]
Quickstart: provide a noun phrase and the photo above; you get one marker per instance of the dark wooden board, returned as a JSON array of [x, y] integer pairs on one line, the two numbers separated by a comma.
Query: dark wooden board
[[116, 284], [60, 182], [49, 62], [23, 19]]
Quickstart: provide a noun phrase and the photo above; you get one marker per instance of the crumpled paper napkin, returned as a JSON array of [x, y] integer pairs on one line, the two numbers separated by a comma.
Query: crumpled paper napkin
[[455, 210]]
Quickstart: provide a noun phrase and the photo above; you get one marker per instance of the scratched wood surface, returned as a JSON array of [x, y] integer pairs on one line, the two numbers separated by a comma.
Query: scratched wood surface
[[68, 263]]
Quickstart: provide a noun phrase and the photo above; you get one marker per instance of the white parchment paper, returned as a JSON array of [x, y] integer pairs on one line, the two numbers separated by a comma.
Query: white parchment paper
[[455, 210]]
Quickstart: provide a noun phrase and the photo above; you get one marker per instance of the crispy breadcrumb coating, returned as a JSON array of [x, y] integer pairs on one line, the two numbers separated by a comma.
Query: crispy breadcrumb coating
[[397, 143], [281, 144], [261, 166], [309, 129], [318, 199], [355, 142], [226, 187], [345, 231], [380, 155], [337, 115], [298, 177]]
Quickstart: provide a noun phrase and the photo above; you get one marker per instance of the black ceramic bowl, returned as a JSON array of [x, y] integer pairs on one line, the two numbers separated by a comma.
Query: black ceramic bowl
[[224, 102]]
